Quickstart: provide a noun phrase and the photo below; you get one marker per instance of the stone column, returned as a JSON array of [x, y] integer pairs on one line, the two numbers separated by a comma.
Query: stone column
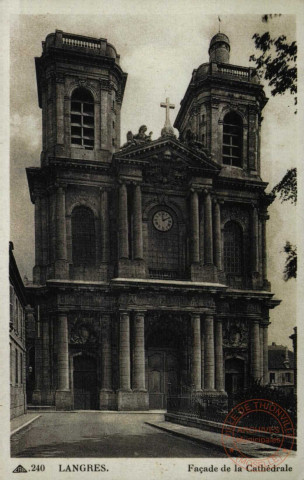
[[202, 357], [44, 230], [217, 236], [123, 222], [219, 365], [254, 241], [63, 397], [196, 352], [208, 229], [261, 355], [45, 357], [106, 359], [194, 227], [202, 232], [265, 354], [264, 218], [104, 217], [137, 225], [124, 352], [63, 352], [139, 352], [38, 240], [255, 350], [209, 353], [61, 247], [60, 109]]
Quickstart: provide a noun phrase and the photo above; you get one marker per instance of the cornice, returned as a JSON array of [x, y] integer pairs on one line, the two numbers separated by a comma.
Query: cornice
[[151, 147], [217, 80], [240, 183], [67, 164]]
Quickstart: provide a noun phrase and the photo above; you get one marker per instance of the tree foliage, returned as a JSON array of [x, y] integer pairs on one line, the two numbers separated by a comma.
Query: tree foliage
[[276, 63], [287, 187], [290, 269], [287, 190]]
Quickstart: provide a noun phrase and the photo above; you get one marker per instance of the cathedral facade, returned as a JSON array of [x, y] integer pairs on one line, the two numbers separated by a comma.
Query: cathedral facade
[[150, 272]]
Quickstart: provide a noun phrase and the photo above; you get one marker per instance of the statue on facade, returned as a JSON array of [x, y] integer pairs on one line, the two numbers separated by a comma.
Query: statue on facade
[[140, 138], [190, 139]]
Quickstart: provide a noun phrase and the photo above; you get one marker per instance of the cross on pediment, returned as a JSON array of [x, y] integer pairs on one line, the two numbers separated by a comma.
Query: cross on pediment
[[167, 129], [167, 105]]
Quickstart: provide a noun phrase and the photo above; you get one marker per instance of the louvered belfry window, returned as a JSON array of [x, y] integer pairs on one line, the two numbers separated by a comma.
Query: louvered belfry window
[[232, 140], [83, 237], [82, 119], [233, 249]]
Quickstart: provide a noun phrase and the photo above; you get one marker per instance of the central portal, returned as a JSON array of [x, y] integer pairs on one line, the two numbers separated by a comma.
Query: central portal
[[85, 383], [163, 376], [164, 360]]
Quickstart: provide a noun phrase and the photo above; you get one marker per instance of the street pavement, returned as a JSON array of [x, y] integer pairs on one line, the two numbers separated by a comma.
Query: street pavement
[[101, 434]]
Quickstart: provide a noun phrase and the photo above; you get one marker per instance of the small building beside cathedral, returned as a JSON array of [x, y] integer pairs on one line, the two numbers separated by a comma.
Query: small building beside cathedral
[[17, 342], [150, 273]]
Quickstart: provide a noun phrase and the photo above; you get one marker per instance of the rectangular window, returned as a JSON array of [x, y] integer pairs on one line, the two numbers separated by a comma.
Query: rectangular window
[[288, 377], [82, 119], [272, 377]]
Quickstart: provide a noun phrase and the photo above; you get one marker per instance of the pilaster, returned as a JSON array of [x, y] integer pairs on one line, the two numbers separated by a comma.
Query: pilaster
[[219, 361], [209, 353], [196, 352], [61, 265], [63, 396], [255, 350]]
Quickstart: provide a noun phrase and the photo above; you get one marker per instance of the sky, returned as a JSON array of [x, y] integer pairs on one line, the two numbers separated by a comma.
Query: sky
[[159, 52]]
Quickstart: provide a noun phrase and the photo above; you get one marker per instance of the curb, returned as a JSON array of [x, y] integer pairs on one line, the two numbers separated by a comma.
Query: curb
[[189, 437], [17, 430]]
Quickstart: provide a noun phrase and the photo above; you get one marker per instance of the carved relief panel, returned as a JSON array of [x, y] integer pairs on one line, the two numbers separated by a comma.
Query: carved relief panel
[[236, 333]]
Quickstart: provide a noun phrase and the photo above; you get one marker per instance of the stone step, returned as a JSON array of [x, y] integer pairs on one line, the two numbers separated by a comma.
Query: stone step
[[41, 408]]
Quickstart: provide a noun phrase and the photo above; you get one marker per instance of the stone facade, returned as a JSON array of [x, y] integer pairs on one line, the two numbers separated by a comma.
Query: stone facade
[[18, 309], [150, 272]]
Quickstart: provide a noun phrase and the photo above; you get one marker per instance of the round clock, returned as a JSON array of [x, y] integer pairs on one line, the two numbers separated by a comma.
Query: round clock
[[162, 221]]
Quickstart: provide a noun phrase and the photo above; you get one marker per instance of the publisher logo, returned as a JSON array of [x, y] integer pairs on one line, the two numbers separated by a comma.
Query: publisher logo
[[20, 469]]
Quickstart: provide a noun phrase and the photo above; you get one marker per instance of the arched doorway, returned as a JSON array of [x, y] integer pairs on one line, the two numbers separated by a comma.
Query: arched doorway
[[84, 382], [234, 376], [163, 363]]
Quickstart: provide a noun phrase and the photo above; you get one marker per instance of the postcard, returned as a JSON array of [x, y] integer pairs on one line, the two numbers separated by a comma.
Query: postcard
[[150, 319]]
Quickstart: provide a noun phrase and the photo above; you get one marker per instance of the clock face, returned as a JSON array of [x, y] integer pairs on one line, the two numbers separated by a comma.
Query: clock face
[[162, 221]]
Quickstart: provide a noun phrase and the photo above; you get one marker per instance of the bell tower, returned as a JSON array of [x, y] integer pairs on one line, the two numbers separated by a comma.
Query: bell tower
[[80, 91], [222, 111]]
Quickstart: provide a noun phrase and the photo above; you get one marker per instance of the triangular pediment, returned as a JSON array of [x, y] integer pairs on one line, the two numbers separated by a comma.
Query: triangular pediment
[[170, 152]]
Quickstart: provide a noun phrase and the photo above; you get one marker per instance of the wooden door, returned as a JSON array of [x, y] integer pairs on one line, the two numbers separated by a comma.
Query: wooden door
[[163, 377], [85, 383]]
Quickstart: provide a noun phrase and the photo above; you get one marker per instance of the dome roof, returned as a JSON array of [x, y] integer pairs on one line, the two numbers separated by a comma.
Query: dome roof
[[219, 37]]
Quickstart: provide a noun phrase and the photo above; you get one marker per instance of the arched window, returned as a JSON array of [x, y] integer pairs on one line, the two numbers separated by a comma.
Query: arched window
[[82, 119], [233, 249], [232, 140], [83, 237]]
